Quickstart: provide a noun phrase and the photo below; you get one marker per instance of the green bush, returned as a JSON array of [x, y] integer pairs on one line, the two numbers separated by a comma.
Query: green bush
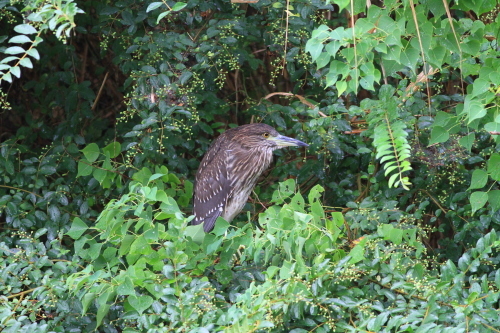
[[386, 223]]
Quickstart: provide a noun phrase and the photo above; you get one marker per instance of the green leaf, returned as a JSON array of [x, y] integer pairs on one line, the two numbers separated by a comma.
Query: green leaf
[[25, 29], [388, 231], [48, 170], [95, 250], [152, 6], [314, 47], [473, 109], [113, 149], [40, 232], [14, 50], [20, 39], [7, 77], [220, 227], [140, 246], [479, 179], [492, 127], [332, 47], [493, 166], [84, 168], [341, 87], [357, 252], [467, 141], [126, 287], [178, 6], [26, 62], [480, 86], [102, 311], [494, 200], [464, 262], [477, 200], [99, 174], [409, 57], [286, 270], [87, 301], [33, 53], [141, 303], [438, 135], [91, 152], [16, 71], [323, 60], [162, 15], [78, 227]]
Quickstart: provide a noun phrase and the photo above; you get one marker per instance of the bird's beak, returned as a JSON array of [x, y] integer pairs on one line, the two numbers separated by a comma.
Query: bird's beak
[[285, 141]]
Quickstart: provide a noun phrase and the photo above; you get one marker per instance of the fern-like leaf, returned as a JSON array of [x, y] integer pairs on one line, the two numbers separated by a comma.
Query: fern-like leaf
[[393, 150]]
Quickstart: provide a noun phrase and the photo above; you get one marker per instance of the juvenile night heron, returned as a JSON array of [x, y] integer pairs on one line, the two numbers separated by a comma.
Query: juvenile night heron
[[230, 169]]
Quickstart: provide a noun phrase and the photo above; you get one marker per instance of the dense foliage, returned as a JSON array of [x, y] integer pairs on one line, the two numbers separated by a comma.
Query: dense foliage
[[387, 222]]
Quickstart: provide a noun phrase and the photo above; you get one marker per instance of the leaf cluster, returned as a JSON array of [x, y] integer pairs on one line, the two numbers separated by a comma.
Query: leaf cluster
[[103, 129]]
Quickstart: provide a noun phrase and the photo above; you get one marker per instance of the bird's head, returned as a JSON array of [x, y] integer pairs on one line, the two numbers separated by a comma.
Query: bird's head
[[265, 136]]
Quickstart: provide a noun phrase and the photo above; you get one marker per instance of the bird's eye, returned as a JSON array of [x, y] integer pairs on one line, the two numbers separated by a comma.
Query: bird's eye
[[266, 135]]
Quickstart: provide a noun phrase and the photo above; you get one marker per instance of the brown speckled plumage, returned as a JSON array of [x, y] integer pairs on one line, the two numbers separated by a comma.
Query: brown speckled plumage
[[230, 169]]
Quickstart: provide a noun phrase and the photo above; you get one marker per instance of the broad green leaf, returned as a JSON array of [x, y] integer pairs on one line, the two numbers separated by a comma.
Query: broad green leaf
[[91, 152], [7, 77], [140, 303], [40, 232], [102, 311], [25, 29], [113, 149], [320, 32], [332, 47], [286, 270], [26, 62], [33, 53], [220, 227], [341, 87], [16, 71], [467, 141], [493, 166], [84, 168], [178, 6], [48, 170], [323, 60], [315, 193], [409, 57], [78, 227], [195, 232], [314, 47], [480, 86], [494, 199], [442, 119], [95, 250], [438, 135], [162, 15], [20, 39], [471, 47], [14, 50], [473, 109], [388, 231], [464, 262], [99, 174], [152, 6], [357, 252], [493, 128], [140, 246], [479, 179], [477, 200], [87, 301]]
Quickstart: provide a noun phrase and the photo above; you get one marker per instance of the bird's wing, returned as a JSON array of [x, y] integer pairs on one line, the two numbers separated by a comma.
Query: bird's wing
[[212, 187]]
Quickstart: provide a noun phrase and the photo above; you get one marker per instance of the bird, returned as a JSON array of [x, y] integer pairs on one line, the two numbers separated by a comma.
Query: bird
[[230, 169]]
